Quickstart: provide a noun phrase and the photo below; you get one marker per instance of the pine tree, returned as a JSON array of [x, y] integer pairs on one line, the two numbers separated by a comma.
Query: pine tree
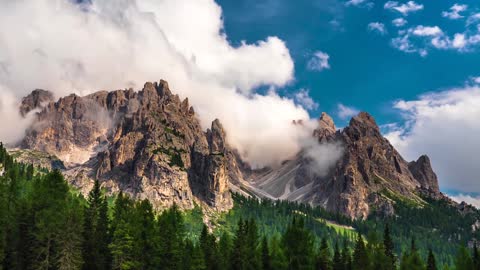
[[198, 261], [476, 257], [338, 263], [298, 243], [431, 264], [122, 247], [360, 257], [144, 233], [463, 261], [346, 257], [277, 254], [70, 239], [224, 250], [412, 260], [170, 236], [209, 248], [323, 259], [96, 254], [266, 263], [49, 200], [389, 248], [253, 251], [194, 258]]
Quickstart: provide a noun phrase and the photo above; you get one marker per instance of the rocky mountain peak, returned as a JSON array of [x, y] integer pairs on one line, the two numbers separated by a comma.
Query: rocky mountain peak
[[216, 137], [37, 99], [423, 172], [148, 144], [364, 123], [326, 128], [326, 122], [369, 175]]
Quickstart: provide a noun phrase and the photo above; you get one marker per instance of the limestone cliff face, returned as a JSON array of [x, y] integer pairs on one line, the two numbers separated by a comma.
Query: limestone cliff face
[[149, 144], [369, 171]]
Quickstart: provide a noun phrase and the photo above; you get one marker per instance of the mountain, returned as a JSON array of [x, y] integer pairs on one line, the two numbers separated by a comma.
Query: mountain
[[368, 177], [150, 144]]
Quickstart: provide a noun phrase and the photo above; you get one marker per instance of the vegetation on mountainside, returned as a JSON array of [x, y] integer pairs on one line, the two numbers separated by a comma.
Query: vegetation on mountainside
[[45, 225]]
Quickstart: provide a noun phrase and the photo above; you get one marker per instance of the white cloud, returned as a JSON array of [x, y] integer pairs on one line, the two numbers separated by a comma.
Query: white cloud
[[424, 31], [454, 12], [476, 80], [445, 126], [355, 2], [475, 201], [403, 43], [117, 44], [399, 22], [421, 39], [323, 155], [319, 61], [459, 41], [377, 27], [405, 9], [359, 3], [345, 112], [473, 19], [302, 97]]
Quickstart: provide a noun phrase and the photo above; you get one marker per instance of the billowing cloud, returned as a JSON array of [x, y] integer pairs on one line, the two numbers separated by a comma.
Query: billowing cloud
[[303, 98], [377, 27], [405, 9], [323, 155], [454, 13], [111, 44], [345, 112], [445, 126], [399, 22], [319, 61]]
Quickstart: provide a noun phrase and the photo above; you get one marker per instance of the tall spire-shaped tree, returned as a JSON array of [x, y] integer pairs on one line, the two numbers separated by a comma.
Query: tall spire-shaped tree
[[96, 238]]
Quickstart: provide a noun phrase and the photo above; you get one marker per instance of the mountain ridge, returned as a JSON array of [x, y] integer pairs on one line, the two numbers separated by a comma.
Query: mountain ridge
[[150, 144]]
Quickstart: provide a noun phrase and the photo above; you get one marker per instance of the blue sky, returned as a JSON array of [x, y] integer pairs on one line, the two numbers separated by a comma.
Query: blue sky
[[366, 70], [385, 69], [419, 75]]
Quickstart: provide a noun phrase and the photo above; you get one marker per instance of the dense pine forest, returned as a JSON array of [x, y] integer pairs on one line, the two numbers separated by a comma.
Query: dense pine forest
[[46, 224]]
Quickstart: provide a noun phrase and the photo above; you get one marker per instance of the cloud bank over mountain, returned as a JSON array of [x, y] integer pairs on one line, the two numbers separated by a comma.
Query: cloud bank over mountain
[[111, 44]]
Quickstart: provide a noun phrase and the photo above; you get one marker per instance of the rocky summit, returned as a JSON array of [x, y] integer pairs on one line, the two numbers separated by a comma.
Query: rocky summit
[[368, 177], [150, 144]]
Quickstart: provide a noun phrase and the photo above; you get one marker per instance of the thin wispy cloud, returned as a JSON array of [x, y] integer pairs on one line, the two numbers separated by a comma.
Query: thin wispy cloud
[[344, 112], [454, 13], [399, 22], [303, 98], [377, 27], [474, 18], [359, 3], [319, 61]]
